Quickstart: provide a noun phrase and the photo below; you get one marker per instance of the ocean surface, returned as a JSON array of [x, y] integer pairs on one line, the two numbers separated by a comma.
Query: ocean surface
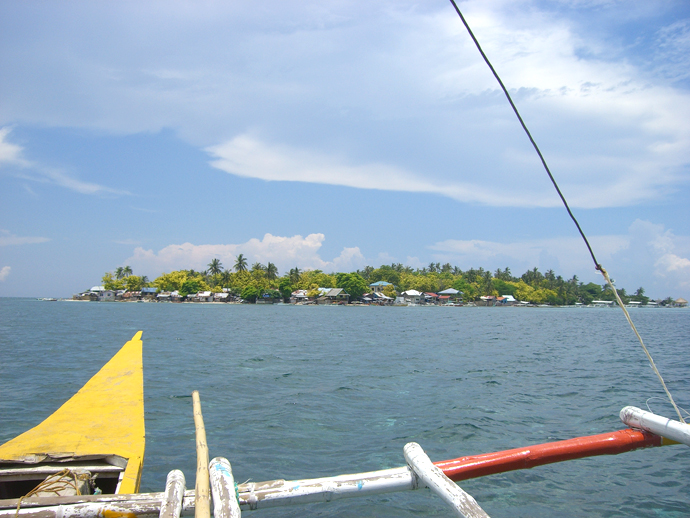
[[301, 392]]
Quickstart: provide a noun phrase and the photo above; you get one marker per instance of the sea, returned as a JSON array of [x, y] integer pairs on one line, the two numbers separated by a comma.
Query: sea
[[297, 392]]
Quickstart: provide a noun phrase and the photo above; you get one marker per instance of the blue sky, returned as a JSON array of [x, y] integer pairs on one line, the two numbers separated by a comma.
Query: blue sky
[[342, 134]]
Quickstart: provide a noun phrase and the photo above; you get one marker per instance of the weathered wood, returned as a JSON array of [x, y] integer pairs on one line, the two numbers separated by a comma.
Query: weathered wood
[[225, 504], [432, 477], [171, 506], [139, 505], [203, 500], [277, 493], [656, 424]]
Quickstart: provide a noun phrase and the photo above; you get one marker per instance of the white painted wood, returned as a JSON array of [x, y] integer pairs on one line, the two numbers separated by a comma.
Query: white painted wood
[[171, 506], [432, 477], [225, 504], [139, 505], [203, 500], [277, 493], [667, 428]]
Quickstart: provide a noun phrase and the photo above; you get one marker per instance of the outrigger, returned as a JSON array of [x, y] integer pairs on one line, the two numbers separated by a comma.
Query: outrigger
[[85, 461]]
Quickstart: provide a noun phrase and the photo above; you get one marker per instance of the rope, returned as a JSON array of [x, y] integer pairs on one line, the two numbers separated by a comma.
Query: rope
[[644, 348], [597, 266], [55, 483]]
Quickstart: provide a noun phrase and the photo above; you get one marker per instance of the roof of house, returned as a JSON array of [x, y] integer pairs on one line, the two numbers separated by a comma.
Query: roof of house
[[334, 292], [449, 291], [411, 293], [381, 283]]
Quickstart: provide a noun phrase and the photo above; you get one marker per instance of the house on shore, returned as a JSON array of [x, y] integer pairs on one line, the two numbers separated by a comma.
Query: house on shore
[[334, 296]]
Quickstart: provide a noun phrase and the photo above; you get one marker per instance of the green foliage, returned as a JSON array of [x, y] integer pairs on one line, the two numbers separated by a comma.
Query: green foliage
[[532, 286], [134, 283], [389, 291], [353, 284], [384, 273], [110, 282], [285, 287], [250, 293], [504, 288], [215, 267], [192, 285]]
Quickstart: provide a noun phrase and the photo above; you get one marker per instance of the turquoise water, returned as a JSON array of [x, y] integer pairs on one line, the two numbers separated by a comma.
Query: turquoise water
[[300, 392]]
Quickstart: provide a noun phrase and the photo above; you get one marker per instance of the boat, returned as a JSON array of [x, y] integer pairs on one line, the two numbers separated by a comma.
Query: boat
[[94, 442], [100, 433]]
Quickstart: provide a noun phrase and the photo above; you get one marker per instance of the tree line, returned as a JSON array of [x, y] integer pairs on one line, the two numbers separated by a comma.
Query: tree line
[[250, 282]]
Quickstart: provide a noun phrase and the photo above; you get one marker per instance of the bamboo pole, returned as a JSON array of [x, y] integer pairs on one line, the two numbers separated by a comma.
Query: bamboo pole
[[202, 502], [462, 503]]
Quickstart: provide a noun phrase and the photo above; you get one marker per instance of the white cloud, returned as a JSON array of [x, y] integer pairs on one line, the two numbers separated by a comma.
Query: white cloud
[[8, 239], [4, 272], [10, 153], [284, 252], [248, 157], [386, 97]]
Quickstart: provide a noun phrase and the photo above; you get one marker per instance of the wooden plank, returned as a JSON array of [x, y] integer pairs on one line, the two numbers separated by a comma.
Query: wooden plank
[[225, 504], [203, 500], [432, 477], [140, 505], [171, 507]]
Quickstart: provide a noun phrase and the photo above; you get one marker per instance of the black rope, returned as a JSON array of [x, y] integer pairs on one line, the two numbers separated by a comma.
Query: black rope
[[529, 135]]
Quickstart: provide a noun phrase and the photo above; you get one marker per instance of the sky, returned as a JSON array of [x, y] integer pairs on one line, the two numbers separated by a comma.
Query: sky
[[335, 135]]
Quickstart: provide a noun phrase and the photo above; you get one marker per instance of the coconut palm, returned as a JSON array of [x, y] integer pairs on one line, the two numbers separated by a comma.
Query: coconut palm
[[127, 271], [241, 263], [295, 275], [119, 274], [271, 271], [215, 267]]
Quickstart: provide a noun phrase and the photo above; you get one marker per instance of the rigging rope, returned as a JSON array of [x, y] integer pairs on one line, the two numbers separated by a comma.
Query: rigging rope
[[597, 266]]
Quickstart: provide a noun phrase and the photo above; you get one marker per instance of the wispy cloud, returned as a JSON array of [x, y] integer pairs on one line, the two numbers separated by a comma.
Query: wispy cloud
[[9, 239], [10, 153], [285, 252], [249, 157], [52, 176], [4, 272]]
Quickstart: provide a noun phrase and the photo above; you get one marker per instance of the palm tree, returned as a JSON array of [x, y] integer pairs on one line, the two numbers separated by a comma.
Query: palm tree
[[258, 267], [294, 275], [127, 271], [271, 271], [119, 274], [241, 263], [215, 267]]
